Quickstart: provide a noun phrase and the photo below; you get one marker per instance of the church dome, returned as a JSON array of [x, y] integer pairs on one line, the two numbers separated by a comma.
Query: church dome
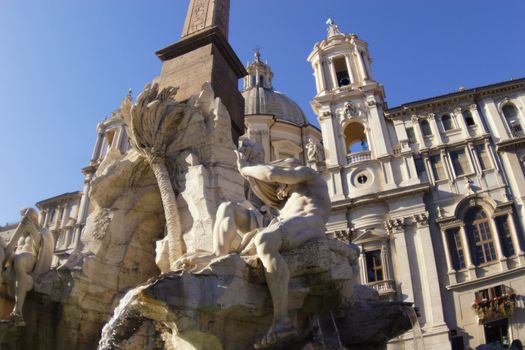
[[260, 98]]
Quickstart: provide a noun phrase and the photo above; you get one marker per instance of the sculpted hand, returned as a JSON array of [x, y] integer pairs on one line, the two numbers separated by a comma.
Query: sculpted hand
[[241, 162]]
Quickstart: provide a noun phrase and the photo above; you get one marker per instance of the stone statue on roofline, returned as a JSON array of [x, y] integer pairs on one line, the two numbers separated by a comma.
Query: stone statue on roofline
[[27, 256]]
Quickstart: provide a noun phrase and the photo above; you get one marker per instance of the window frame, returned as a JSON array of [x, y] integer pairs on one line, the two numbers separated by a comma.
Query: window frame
[[484, 247], [465, 172], [374, 267], [451, 126], [426, 129]]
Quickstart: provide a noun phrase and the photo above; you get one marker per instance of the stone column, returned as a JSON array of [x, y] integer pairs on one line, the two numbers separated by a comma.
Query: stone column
[[117, 141], [362, 266], [335, 83], [385, 260], [64, 216], [317, 77], [349, 67], [435, 129], [477, 118], [461, 122], [359, 58], [446, 246], [434, 308], [473, 159], [515, 239], [447, 165], [97, 149], [405, 275], [322, 80], [466, 251], [46, 219], [498, 246], [430, 173], [102, 153]]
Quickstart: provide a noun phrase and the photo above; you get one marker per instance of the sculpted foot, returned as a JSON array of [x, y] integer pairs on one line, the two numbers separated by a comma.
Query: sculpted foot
[[277, 335]]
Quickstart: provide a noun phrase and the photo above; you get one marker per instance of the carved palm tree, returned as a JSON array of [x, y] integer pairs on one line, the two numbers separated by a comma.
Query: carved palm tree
[[152, 123]]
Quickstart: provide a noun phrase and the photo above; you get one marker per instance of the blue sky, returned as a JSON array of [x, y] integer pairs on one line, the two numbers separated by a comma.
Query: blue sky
[[65, 64]]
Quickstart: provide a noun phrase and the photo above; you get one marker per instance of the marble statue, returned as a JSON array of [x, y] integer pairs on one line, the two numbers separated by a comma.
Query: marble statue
[[301, 197], [27, 256], [314, 151]]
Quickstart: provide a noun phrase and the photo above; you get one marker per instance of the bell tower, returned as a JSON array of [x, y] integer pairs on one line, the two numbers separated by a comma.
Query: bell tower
[[204, 55], [349, 106]]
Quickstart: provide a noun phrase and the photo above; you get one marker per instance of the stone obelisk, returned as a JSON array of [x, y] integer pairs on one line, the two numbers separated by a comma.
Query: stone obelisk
[[204, 54]]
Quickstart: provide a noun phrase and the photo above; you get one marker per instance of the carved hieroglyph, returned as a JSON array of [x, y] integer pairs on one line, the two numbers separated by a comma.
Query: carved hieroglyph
[[204, 14]]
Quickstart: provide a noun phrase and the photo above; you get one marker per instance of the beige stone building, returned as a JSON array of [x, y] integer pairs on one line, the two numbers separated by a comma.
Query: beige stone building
[[431, 192]]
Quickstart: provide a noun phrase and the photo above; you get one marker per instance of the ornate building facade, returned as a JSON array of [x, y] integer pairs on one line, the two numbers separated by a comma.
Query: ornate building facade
[[431, 192]]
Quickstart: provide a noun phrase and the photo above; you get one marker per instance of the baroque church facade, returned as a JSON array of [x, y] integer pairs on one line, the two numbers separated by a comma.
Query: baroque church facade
[[431, 191]]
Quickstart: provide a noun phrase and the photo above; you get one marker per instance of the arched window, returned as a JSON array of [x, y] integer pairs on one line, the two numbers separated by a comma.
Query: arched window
[[480, 235], [511, 115], [447, 122], [355, 138], [425, 128], [261, 80], [469, 119]]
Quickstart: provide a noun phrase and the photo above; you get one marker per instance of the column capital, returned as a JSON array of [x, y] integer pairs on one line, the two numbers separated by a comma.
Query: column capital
[[473, 107]]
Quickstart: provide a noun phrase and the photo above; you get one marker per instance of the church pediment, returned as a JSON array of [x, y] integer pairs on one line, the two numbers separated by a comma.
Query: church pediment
[[370, 236]]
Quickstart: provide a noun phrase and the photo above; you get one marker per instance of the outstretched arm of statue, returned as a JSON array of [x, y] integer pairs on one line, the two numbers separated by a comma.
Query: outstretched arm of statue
[[268, 173]]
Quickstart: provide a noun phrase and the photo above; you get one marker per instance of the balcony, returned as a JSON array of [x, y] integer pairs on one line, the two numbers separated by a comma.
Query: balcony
[[385, 287], [358, 157]]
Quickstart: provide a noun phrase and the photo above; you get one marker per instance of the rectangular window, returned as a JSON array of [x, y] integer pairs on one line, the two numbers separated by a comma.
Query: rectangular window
[[411, 135], [374, 267], [485, 251], [483, 156], [502, 225], [456, 249], [460, 162], [437, 167], [341, 71], [420, 168]]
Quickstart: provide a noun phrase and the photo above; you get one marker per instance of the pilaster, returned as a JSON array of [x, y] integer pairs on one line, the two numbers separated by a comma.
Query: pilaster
[[461, 122], [435, 129], [471, 268]]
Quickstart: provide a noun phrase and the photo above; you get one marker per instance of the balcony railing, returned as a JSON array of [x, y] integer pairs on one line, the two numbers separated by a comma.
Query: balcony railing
[[358, 157], [517, 132], [383, 287]]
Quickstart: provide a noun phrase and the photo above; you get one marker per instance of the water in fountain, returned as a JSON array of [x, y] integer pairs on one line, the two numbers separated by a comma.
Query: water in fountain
[[120, 318], [416, 329], [326, 332]]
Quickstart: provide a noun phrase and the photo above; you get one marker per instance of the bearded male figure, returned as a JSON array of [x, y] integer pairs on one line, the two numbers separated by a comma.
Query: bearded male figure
[[301, 197]]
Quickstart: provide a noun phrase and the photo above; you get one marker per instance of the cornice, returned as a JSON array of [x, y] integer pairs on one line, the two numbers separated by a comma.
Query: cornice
[[454, 97]]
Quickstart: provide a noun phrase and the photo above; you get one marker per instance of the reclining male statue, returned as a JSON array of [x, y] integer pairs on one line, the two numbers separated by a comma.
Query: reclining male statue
[[27, 256], [301, 197]]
